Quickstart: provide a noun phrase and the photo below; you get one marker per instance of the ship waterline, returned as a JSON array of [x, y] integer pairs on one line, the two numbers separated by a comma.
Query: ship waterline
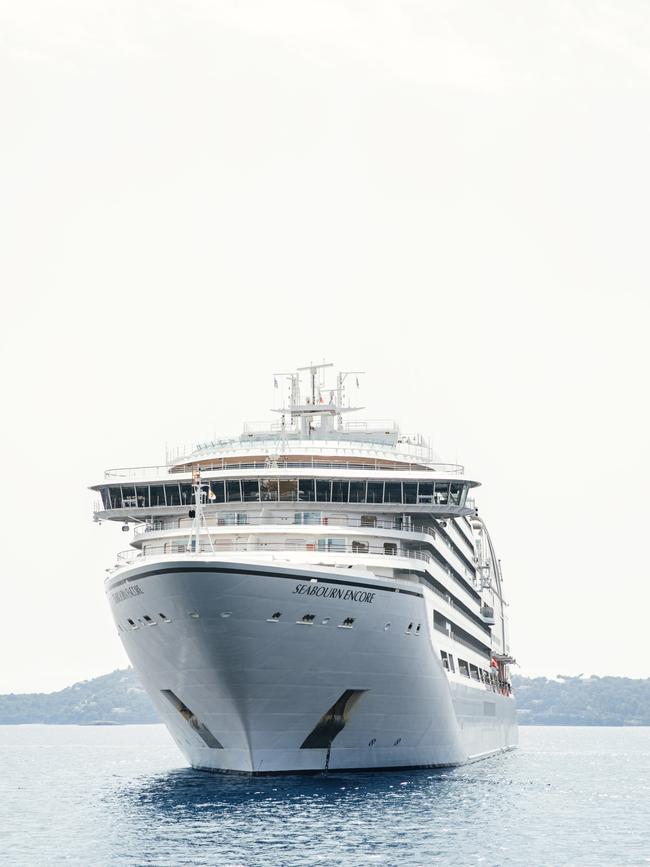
[[302, 619]]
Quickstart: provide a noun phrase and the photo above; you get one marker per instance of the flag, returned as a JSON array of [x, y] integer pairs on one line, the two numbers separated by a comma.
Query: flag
[[275, 382], [211, 495]]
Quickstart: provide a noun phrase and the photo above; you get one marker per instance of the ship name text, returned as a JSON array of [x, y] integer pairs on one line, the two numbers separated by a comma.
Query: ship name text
[[334, 593], [126, 593]]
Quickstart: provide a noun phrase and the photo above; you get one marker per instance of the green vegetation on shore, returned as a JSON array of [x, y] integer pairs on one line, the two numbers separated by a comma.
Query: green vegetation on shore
[[118, 698]]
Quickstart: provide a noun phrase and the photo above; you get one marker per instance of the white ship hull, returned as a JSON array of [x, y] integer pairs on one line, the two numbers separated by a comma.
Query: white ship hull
[[242, 692]]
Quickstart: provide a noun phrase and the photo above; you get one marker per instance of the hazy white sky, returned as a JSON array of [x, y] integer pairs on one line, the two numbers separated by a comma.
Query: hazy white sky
[[452, 196]]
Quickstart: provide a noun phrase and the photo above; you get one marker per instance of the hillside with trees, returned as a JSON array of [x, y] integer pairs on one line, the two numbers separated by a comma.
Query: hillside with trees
[[118, 698]]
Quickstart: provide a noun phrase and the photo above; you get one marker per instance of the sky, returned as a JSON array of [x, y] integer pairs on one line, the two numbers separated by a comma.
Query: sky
[[451, 196]]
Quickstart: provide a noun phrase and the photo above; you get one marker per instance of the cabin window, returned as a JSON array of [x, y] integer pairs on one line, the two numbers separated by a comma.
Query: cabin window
[[441, 496], [331, 544], [368, 520], [359, 547], [233, 491], [390, 548], [410, 490], [250, 490], [157, 495], [393, 492], [232, 518], [375, 492], [128, 497], [268, 489], [142, 496], [473, 672], [425, 492], [445, 660], [451, 664], [339, 491], [306, 490], [357, 492], [217, 491], [289, 489], [187, 495], [172, 495], [463, 667], [307, 517], [455, 491], [323, 490]]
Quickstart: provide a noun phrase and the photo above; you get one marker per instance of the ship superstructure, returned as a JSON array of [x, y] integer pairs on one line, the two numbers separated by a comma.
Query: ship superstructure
[[316, 593]]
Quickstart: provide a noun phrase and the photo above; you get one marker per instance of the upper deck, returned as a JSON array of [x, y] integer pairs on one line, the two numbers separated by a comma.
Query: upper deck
[[311, 438]]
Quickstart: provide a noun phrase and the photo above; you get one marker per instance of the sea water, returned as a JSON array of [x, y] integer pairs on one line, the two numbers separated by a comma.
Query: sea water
[[122, 796]]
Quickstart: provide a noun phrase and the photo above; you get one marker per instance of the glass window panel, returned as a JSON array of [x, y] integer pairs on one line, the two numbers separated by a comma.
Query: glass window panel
[[410, 490], [289, 489], [187, 496], [323, 490], [455, 491], [307, 517], [250, 490], [172, 495], [217, 490], [233, 491], [393, 492], [339, 491], [142, 496], [441, 497], [227, 518], [128, 497], [306, 490], [368, 520], [375, 493], [359, 547], [268, 489], [425, 492], [242, 518], [331, 545], [116, 497], [357, 492], [157, 495], [106, 500]]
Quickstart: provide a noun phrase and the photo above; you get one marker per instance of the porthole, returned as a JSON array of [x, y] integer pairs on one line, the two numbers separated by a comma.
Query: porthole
[[386, 627], [226, 614], [409, 627], [307, 618], [149, 621], [274, 617], [163, 617], [372, 742], [347, 623], [325, 620], [194, 615], [398, 741], [417, 628]]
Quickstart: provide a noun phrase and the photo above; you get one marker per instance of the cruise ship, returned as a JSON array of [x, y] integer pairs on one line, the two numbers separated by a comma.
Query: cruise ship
[[316, 594]]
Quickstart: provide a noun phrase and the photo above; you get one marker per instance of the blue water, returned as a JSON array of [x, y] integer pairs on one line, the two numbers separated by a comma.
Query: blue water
[[121, 796]]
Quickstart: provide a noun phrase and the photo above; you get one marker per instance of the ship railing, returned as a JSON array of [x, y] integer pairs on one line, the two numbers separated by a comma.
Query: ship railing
[[241, 519], [224, 464], [360, 549]]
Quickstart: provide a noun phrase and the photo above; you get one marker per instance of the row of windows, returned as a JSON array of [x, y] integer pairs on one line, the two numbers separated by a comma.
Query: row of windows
[[489, 678], [287, 490]]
